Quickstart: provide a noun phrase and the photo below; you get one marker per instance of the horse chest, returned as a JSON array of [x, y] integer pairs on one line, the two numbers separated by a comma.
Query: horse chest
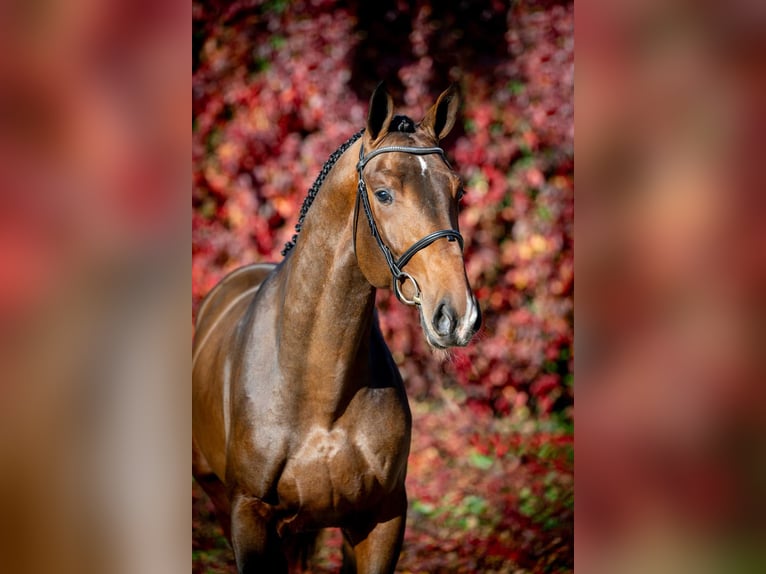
[[333, 473]]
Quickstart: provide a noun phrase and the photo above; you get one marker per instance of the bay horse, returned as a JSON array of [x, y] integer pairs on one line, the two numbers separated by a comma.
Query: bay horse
[[300, 417]]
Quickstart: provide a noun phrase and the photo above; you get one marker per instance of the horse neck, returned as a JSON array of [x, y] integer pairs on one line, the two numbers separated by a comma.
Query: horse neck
[[327, 302]]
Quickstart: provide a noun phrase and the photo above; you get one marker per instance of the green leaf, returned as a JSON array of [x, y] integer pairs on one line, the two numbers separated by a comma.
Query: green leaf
[[516, 87], [424, 508], [552, 494], [481, 461], [474, 504], [527, 508]]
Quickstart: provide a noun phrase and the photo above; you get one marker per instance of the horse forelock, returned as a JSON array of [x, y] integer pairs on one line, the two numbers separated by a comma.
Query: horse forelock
[[402, 124]]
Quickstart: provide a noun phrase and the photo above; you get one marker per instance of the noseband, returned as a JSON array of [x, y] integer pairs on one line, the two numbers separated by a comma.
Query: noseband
[[399, 276]]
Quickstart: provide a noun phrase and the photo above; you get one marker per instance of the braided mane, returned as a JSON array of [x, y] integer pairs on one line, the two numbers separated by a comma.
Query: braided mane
[[398, 124], [311, 195]]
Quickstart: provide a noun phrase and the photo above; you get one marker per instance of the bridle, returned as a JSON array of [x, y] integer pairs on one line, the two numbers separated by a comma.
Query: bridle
[[399, 276]]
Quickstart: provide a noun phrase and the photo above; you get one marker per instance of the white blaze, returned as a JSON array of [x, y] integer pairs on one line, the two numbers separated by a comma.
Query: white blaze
[[422, 165]]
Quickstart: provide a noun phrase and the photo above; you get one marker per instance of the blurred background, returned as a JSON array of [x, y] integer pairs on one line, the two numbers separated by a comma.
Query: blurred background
[[670, 254], [277, 87], [94, 273]]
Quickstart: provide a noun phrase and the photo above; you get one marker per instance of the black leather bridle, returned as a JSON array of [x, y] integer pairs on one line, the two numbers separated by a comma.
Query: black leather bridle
[[399, 276]]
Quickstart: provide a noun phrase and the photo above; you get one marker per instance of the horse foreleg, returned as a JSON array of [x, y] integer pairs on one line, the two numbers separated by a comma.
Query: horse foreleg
[[376, 549], [257, 547], [213, 487]]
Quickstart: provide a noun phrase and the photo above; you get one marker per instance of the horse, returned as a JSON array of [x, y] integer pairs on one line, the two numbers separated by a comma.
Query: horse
[[300, 416]]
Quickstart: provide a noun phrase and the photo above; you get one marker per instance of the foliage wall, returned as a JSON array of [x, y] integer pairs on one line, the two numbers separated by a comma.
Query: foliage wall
[[278, 85]]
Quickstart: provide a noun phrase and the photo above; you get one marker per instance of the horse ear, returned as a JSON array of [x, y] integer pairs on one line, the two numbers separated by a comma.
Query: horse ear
[[440, 119], [381, 112]]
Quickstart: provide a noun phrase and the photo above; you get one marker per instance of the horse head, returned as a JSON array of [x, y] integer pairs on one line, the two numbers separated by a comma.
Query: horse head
[[409, 194]]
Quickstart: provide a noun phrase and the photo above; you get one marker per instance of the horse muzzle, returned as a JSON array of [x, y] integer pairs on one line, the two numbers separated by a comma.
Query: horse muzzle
[[445, 328]]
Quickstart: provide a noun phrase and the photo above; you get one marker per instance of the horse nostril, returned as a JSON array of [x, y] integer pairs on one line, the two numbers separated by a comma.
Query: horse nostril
[[444, 319], [477, 322]]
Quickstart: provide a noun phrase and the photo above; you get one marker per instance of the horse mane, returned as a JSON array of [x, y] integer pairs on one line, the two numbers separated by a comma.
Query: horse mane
[[398, 124]]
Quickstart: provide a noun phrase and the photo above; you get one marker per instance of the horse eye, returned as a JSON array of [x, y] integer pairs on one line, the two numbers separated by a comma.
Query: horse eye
[[384, 196], [460, 194]]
